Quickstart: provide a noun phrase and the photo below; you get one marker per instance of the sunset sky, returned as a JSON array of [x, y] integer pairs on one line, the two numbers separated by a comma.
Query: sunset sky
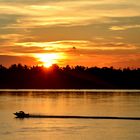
[[70, 32]]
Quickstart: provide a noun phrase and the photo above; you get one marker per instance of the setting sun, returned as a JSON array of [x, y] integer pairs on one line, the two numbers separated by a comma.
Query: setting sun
[[48, 60]]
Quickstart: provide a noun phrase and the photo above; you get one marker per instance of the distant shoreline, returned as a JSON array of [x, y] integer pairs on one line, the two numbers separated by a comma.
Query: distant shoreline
[[78, 77], [71, 90]]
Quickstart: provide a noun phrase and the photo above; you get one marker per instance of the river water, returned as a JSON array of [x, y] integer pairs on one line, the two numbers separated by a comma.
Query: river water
[[69, 102]]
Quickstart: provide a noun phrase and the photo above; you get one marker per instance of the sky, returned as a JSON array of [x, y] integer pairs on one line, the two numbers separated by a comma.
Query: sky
[[100, 33]]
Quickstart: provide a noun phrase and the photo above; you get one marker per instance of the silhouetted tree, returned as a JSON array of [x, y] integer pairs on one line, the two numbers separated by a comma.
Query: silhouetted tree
[[78, 77]]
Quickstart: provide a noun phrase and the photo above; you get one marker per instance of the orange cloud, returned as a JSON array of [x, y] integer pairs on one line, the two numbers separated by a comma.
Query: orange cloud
[[125, 27], [67, 13]]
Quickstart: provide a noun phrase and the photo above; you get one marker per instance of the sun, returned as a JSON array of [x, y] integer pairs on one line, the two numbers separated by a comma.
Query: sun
[[48, 60]]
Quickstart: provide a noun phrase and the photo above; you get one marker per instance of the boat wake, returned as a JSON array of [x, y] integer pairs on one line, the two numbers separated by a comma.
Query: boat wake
[[21, 114]]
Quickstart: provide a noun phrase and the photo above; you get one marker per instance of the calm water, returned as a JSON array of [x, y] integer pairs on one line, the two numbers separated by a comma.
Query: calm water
[[101, 103]]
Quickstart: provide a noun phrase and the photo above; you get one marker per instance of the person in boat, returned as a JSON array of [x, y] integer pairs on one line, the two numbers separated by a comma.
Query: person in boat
[[21, 112]]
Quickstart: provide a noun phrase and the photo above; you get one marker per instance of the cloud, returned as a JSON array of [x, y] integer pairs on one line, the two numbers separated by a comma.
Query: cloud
[[21, 50], [66, 46], [86, 53], [121, 28], [66, 13], [82, 46]]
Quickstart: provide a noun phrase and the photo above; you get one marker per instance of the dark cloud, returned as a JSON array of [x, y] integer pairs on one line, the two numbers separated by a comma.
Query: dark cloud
[[86, 32], [111, 6], [3, 41], [129, 20], [20, 49], [25, 50], [9, 19]]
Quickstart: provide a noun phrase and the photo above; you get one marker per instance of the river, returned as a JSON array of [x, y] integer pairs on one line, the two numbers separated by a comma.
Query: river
[[70, 102]]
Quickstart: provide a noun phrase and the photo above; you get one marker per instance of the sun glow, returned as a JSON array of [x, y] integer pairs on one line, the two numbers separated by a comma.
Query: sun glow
[[48, 60]]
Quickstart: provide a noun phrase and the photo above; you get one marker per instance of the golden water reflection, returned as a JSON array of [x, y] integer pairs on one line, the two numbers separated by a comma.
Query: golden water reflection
[[69, 103]]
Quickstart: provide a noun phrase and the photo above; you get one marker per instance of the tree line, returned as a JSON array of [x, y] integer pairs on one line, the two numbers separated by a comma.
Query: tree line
[[19, 76]]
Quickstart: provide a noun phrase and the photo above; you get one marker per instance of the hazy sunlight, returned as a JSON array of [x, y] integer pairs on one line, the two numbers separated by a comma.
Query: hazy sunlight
[[48, 60]]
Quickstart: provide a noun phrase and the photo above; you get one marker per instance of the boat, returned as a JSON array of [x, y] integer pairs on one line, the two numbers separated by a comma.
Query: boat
[[21, 114]]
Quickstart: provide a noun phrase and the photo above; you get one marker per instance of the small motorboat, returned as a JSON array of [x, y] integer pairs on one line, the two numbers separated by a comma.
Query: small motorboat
[[21, 114]]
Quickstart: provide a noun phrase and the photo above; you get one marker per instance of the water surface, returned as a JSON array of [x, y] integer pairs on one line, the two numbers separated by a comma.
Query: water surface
[[69, 102]]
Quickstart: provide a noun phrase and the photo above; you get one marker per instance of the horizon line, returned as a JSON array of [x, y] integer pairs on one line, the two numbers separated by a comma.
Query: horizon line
[[69, 90]]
